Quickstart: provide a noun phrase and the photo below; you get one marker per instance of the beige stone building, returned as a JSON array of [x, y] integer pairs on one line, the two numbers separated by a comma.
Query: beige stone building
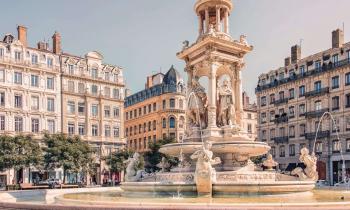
[[157, 112], [292, 99], [250, 118], [92, 104], [29, 92]]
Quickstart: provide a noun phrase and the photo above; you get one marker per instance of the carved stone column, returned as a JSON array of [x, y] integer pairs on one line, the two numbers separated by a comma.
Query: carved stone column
[[200, 20], [218, 27], [212, 96], [226, 24], [207, 20], [239, 102]]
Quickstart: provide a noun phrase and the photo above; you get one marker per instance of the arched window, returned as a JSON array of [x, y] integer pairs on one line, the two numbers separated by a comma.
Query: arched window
[[172, 122], [164, 123]]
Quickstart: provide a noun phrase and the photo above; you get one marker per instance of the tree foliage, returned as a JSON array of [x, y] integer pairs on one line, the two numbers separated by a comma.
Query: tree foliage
[[19, 151], [153, 156], [115, 161], [70, 153]]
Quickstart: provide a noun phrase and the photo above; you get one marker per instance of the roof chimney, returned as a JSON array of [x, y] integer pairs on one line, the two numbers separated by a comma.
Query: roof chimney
[[337, 38], [296, 53], [56, 43], [287, 61], [22, 35], [149, 82]]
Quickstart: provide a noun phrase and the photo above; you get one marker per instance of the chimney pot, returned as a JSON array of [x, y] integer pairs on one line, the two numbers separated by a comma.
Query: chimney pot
[[295, 53], [56, 43], [287, 61], [337, 38], [22, 35]]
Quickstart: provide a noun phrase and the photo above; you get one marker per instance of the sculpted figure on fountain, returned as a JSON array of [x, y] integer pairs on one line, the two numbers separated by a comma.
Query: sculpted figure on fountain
[[163, 165], [226, 107], [197, 105], [133, 172], [205, 174], [269, 163], [310, 161]]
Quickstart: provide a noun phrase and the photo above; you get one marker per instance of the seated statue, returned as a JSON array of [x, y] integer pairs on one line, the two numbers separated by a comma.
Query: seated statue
[[133, 173]]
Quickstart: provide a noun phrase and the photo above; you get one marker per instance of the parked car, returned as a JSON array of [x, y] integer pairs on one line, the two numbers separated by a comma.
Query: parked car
[[322, 183]]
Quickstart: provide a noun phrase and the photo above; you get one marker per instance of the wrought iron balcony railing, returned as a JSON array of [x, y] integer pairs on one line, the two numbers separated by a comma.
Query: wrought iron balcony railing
[[320, 135], [279, 120], [318, 92], [316, 114], [281, 101], [281, 139]]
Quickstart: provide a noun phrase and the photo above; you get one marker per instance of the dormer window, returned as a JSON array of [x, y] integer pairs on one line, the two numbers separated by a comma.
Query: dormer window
[[18, 56], [302, 70], [34, 59], [71, 69], [281, 76], [94, 73], [318, 65]]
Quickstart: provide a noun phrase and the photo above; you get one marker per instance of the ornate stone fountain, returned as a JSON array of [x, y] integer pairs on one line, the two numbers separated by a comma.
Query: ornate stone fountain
[[214, 123]]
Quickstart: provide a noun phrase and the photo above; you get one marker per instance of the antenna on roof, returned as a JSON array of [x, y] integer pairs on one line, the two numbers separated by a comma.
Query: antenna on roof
[[160, 69], [301, 42]]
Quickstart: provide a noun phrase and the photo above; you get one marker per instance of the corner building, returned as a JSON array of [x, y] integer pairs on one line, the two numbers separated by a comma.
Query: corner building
[[292, 100], [157, 112]]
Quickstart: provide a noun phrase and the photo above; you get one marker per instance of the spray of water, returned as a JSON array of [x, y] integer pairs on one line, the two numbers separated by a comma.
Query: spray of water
[[337, 133]]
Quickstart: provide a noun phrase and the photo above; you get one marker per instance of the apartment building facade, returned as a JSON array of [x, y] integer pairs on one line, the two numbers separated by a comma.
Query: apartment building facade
[[46, 90], [292, 100], [157, 112]]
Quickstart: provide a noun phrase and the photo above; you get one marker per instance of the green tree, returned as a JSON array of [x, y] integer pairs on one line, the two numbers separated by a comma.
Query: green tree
[[19, 152], [115, 161], [69, 153], [153, 156]]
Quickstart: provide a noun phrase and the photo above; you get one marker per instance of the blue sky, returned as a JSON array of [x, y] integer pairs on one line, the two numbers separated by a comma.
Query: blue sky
[[143, 36]]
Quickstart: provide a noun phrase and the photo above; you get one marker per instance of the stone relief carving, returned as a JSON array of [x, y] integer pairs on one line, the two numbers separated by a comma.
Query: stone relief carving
[[226, 107], [133, 174], [310, 161], [205, 174], [197, 106], [269, 163]]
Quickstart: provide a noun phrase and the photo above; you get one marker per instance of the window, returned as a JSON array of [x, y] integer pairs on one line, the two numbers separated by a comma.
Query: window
[[292, 131], [282, 151], [319, 147], [18, 56], [50, 105], [272, 99], [2, 123], [302, 70], [172, 103], [49, 62], [263, 135], [115, 77], [347, 78], [107, 76], [149, 108], [2, 99], [116, 112], [154, 125], [272, 133], [18, 78], [155, 107], [318, 65], [71, 86], [94, 110], [302, 109], [18, 124], [282, 132], [107, 111], [335, 59], [18, 101], [336, 146], [2, 75], [291, 93], [347, 144], [281, 95], [35, 103], [116, 132], [81, 129], [335, 82], [272, 116], [81, 108], [144, 110], [116, 94], [172, 122], [263, 117], [164, 123], [71, 128], [1, 52], [249, 128], [107, 92], [94, 130], [34, 81], [318, 105], [318, 86], [301, 91], [149, 126], [35, 125], [291, 111], [50, 84], [94, 73], [71, 69], [263, 101], [71, 107], [34, 59], [335, 103], [164, 104], [273, 151], [302, 130], [292, 150], [347, 100], [94, 90], [107, 131], [347, 123], [81, 88]]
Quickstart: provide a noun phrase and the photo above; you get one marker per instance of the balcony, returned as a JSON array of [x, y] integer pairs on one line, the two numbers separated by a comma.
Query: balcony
[[281, 101], [318, 92], [320, 135], [282, 119], [316, 114], [281, 140], [325, 68]]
